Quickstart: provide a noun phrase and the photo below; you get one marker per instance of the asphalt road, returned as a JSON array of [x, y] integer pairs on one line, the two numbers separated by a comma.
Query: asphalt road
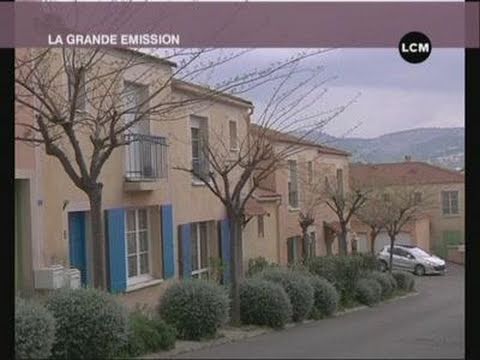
[[428, 325]]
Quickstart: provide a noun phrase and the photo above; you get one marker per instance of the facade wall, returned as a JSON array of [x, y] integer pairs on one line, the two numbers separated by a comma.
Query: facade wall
[[191, 202], [324, 165], [267, 246]]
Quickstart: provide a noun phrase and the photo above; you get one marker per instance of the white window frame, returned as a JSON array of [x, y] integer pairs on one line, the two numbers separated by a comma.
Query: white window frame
[[133, 280], [200, 271], [290, 181], [448, 193], [233, 141], [200, 123]]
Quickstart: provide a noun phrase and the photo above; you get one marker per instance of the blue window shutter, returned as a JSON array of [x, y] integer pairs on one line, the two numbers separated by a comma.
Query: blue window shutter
[[117, 265], [186, 249], [225, 248], [167, 240], [77, 243]]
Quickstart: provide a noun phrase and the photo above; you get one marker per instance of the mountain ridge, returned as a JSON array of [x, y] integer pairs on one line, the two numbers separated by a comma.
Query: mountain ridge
[[438, 146]]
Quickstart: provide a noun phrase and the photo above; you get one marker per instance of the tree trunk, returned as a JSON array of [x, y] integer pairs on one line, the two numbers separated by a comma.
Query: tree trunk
[[236, 269], [97, 236], [342, 246], [305, 247], [373, 237], [390, 260]]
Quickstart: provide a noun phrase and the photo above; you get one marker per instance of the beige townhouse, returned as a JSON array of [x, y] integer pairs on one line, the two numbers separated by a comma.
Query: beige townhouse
[[161, 221], [300, 182], [442, 223]]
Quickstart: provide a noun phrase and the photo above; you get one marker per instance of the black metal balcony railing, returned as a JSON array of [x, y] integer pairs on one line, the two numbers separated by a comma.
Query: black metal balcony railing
[[146, 157]]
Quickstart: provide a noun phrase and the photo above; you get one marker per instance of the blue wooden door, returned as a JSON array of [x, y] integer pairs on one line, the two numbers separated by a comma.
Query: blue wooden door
[[77, 243]]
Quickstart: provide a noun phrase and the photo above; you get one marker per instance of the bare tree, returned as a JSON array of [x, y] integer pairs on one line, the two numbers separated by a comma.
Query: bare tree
[[372, 214], [291, 106], [401, 206], [83, 111], [344, 204]]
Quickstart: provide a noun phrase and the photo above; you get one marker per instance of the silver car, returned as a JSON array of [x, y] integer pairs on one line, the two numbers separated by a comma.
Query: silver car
[[411, 258]]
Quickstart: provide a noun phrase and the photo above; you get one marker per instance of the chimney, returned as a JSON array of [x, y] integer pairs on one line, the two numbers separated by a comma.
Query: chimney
[[408, 158]]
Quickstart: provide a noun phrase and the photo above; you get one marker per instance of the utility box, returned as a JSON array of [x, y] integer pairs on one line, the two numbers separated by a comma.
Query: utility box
[[72, 278], [49, 278]]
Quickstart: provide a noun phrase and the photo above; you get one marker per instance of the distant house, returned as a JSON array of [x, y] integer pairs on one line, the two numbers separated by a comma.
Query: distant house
[[301, 177], [445, 216]]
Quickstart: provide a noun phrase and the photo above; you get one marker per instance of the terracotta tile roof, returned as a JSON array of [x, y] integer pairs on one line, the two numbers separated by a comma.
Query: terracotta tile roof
[[279, 136], [404, 173]]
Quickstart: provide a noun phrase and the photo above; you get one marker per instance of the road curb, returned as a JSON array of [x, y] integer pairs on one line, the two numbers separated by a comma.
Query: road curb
[[188, 346]]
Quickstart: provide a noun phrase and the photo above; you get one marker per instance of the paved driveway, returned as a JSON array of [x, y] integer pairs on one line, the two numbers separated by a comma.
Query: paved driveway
[[429, 325]]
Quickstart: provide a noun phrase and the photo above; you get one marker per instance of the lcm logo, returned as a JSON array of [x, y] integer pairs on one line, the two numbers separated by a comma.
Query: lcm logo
[[415, 47]]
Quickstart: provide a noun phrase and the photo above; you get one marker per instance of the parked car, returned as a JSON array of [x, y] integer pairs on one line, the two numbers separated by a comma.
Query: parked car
[[411, 258]]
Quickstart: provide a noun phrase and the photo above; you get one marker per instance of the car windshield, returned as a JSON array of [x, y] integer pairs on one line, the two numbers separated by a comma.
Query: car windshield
[[419, 252]]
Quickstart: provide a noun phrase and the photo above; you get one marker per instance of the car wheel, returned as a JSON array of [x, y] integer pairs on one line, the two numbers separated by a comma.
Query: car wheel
[[419, 270], [383, 266]]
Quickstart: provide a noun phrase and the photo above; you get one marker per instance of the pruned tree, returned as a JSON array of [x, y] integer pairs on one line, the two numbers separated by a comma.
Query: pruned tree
[[372, 214], [311, 199], [85, 108], [345, 204], [291, 105], [402, 205]]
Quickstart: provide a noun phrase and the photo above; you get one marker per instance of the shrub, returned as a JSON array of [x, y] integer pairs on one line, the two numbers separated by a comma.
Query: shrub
[[342, 271], [369, 262], [325, 296], [34, 330], [297, 287], [195, 308], [90, 324], [264, 303], [405, 280], [148, 334], [385, 281], [257, 265], [368, 291]]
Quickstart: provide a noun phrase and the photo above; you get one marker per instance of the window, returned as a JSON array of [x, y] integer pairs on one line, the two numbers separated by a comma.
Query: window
[[260, 226], [200, 249], [294, 249], [198, 132], [134, 95], [310, 172], [138, 245], [292, 184], [450, 202], [417, 198], [340, 181], [386, 197], [233, 135], [72, 78]]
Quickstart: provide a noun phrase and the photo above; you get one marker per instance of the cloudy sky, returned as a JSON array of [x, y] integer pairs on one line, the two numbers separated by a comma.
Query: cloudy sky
[[395, 95]]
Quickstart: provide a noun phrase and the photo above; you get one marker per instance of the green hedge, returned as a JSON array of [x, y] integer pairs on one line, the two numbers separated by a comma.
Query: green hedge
[[326, 297], [195, 308], [386, 281], [34, 330], [405, 280], [264, 303], [368, 291], [297, 287], [342, 271], [148, 333], [90, 324], [257, 265]]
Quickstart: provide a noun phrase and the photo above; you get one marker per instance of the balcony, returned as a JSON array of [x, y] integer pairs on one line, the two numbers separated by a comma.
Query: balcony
[[146, 162]]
